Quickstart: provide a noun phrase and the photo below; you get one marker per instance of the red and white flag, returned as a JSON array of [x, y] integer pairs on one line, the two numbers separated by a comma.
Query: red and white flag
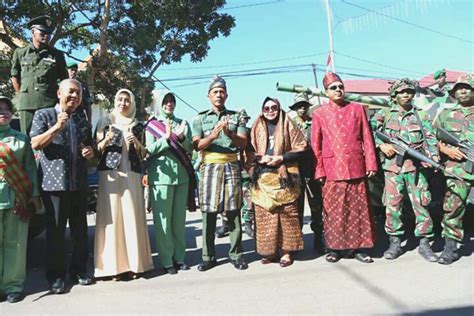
[[328, 62]]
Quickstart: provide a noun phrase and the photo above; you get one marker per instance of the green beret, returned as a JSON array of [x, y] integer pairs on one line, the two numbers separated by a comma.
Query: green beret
[[71, 65], [439, 73]]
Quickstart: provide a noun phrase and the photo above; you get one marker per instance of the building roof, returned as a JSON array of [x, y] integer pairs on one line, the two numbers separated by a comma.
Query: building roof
[[367, 86]]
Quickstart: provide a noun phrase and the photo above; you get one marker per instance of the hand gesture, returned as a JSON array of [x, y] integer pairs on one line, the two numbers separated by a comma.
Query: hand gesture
[[370, 174], [62, 120], [218, 129], [180, 130], [388, 150], [265, 160], [169, 130], [87, 152]]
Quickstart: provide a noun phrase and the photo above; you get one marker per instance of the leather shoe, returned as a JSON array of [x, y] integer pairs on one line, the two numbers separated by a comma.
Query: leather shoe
[[15, 297], [57, 287], [182, 266], [82, 279], [171, 270], [240, 264], [206, 265]]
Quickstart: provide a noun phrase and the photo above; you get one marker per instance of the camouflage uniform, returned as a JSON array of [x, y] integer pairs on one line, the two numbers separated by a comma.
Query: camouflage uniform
[[410, 177], [458, 121]]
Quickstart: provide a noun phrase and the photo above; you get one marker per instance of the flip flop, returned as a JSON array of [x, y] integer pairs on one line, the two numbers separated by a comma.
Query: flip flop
[[333, 257], [363, 257]]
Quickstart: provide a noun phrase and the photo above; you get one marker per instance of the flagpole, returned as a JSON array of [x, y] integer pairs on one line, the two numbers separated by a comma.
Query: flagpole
[[331, 44]]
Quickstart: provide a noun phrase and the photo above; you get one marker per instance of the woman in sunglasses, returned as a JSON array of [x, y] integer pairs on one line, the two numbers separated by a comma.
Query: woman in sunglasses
[[277, 145], [342, 143]]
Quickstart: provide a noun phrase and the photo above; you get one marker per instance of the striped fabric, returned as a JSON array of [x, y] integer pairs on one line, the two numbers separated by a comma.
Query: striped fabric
[[15, 176], [220, 188]]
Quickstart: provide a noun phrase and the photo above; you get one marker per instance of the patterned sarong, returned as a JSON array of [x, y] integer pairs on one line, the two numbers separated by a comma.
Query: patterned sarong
[[15, 176], [220, 188], [346, 216]]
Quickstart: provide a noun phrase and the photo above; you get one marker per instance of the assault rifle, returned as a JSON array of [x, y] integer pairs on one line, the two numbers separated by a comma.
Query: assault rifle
[[464, 146], [403, 149]]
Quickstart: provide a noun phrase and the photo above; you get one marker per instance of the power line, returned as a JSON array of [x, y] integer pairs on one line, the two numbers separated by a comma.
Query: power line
[[407, 22], [253, 5], [250, 63], [166, 87]]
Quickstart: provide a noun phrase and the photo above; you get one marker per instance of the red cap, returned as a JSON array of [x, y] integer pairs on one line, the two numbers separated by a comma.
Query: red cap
[[329, 78]]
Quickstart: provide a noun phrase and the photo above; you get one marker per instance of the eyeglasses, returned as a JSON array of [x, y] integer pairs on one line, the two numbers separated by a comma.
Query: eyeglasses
[[340, 87], [271, 108]]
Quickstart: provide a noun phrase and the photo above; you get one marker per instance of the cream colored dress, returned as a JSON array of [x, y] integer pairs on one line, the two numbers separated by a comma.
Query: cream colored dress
[[121, 237]]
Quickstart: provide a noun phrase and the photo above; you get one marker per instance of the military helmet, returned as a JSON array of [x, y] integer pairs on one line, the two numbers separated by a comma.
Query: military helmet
[[42, 23], [463, 80], [402, 84], [301, 98]]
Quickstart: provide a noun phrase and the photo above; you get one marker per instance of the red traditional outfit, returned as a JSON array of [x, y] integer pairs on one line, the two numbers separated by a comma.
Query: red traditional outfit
[[342, 143]]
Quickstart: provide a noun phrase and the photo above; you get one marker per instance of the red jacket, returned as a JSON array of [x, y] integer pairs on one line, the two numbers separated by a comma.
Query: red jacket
[[342, 142]]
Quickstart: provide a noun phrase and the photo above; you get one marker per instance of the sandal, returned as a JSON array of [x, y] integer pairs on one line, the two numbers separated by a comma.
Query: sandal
[[333, 257], [286, 262], [267, 260], [363, 257]]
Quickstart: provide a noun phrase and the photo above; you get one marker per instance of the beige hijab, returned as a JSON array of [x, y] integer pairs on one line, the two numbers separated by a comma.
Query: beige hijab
[[119, 120]]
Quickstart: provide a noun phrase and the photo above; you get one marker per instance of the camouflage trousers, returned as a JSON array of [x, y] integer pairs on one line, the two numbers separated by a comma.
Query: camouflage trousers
[[415, 185], [454, 207]]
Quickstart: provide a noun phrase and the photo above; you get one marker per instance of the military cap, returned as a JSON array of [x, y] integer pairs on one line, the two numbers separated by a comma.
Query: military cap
[[300, 99], [402, 84], [439, 73], [42, 23], [71, 65], [7, 101], [217, 82], [463, 80]]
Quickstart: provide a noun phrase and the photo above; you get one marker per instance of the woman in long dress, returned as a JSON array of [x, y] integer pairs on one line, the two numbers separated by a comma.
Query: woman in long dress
[[121, 238], [278, 145]]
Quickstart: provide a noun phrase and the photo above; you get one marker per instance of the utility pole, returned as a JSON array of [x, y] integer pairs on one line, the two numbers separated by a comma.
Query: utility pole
[[316, 81], [331, 44]]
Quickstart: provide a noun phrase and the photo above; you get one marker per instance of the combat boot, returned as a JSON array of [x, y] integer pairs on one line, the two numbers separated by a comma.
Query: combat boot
[[449, 254], [425, 251], [395, 249]]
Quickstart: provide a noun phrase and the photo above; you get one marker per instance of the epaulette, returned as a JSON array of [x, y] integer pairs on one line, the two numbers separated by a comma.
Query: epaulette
[[203, 112]]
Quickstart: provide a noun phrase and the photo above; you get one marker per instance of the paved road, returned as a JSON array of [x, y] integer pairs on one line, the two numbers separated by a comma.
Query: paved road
[[407, 286]]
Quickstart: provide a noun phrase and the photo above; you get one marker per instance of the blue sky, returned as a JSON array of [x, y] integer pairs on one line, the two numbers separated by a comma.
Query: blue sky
[[280, 33]]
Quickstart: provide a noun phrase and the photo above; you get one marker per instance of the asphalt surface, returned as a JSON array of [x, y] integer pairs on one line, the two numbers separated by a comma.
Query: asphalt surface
[[311, 286]]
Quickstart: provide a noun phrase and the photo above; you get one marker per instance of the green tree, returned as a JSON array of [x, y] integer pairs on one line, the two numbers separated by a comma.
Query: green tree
[[127, 40]]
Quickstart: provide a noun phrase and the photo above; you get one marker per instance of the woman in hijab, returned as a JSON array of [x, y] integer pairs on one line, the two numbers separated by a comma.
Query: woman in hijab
[[171, 180], [122, 245], [277, 145]]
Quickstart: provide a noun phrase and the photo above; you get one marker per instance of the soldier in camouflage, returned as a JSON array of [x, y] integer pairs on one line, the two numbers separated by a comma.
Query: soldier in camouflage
[[412, 126], [459, 121], [309, 185]]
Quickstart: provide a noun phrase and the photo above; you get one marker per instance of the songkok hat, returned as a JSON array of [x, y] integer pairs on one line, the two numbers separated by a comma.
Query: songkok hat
[[463, 80], [7, 101], [217, 82], [71, 65], [402, 84], [301, 99], [329, 78], [42, 23], [439, 73]]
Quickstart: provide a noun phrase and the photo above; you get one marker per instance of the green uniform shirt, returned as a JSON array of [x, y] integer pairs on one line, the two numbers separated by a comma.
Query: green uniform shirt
[[20, 145], [458, 121], [204, 123], [39, 72], [164, 168], [398, 123]]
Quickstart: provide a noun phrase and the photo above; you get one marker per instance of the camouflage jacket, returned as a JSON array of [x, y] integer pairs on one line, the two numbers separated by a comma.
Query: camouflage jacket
[[458, 121], [403, 125], [307, 163]]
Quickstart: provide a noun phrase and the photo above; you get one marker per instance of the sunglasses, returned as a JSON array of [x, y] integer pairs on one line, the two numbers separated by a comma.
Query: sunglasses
[[340, 87], [271, 108]]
